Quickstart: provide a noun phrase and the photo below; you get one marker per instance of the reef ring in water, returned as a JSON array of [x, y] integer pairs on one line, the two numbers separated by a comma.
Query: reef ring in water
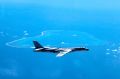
[[58, 38]]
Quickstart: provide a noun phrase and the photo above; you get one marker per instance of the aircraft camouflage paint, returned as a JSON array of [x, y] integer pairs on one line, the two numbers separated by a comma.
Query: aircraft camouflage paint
[[60, 51]]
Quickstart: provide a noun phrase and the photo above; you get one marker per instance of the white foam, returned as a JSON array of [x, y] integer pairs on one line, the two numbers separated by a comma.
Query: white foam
[[107, 49], [26, 33], [107, 53], [114, 50]]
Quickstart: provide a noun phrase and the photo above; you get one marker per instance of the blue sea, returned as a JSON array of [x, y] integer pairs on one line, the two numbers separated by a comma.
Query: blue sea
[[28, 18]]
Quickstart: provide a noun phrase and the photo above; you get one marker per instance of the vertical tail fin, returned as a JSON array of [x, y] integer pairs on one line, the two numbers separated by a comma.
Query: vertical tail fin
[[37, 45]]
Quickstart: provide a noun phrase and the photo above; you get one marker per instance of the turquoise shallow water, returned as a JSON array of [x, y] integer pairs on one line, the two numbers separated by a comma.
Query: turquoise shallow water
[[59, 38], [28, 19]]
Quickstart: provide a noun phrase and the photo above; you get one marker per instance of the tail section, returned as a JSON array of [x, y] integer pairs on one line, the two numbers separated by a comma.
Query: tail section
[[37, 45]]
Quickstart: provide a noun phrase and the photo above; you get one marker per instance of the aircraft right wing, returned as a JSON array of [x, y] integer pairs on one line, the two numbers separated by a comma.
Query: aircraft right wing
[[63, 52]]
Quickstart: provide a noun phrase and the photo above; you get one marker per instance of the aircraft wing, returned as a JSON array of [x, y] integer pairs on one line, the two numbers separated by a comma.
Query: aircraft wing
[[63, 52]]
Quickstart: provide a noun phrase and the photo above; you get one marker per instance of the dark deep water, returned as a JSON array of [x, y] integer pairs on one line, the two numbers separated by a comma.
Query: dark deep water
[[19, 19]]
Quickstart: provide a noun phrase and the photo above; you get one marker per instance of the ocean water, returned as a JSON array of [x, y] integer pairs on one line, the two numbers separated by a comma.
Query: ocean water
[[19, 19]]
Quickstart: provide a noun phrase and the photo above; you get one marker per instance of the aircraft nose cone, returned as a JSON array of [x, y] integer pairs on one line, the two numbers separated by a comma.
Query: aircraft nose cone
[[86, 49]]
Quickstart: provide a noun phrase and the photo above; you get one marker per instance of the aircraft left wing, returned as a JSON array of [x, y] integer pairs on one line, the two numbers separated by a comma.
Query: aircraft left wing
[[63, 52]]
